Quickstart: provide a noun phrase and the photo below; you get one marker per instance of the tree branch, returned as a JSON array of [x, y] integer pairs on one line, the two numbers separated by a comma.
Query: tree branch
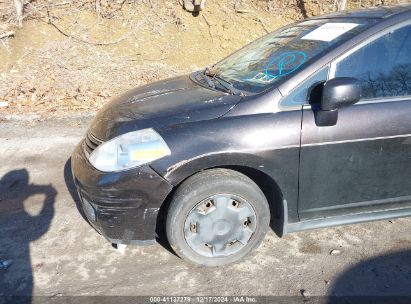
[[255, 15], [6, 34]]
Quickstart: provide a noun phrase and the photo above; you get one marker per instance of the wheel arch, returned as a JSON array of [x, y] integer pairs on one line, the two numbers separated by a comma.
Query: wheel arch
[[269, 187]]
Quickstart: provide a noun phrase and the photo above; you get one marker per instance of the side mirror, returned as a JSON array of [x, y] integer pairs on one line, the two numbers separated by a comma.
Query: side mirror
[[336, 93]]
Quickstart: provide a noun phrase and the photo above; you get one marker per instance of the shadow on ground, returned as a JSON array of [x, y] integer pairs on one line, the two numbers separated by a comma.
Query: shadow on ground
[[26, 211], [375, 279]]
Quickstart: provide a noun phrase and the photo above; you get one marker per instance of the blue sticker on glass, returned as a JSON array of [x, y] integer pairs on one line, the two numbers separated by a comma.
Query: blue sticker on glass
[[285, 64]]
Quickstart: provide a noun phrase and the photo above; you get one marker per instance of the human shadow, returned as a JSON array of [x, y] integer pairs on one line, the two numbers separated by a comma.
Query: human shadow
[[375, 279], [19, 227]]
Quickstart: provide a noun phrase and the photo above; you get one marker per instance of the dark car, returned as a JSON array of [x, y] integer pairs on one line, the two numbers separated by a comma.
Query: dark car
[[307, 127]]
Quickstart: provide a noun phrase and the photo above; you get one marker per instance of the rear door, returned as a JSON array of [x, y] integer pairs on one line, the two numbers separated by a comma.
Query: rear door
[[363, 163]]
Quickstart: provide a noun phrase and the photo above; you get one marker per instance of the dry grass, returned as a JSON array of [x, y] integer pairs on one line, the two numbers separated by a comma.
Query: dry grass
[[63, 83]]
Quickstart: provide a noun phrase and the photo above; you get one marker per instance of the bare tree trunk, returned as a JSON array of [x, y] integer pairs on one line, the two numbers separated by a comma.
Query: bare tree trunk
[[341, 5], [19, 11], [194, 6], [97, 6]]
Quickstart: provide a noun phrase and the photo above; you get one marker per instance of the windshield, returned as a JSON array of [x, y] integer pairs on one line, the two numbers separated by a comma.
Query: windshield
[[276, 56]]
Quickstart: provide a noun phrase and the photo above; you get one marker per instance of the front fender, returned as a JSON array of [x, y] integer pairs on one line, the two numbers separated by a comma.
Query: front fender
[[268, 143], [178, 172]]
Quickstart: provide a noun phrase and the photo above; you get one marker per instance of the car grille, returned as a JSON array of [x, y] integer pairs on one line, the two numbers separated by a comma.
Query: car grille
[[91, 143]]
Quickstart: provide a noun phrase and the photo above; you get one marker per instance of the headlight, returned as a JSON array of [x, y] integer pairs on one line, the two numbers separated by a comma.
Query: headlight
[[129, 150]]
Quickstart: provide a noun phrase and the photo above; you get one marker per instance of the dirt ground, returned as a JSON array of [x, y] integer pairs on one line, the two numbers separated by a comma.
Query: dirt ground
[[55, 252], [44, 72]]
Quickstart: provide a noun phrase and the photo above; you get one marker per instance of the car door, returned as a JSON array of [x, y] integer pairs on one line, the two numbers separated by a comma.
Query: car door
[[363, 163]]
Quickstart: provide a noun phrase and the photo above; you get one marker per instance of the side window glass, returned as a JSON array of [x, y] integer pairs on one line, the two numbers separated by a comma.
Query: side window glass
[[300, 95], [383, 66]]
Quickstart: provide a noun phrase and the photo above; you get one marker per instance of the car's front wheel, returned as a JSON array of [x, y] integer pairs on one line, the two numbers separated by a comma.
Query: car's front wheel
[[217, 217]]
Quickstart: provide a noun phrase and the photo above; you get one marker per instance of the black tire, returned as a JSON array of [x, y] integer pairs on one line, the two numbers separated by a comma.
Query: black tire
[[201, 186]]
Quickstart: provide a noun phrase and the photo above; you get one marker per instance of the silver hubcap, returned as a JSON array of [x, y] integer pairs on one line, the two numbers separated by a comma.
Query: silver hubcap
[[220, 225]]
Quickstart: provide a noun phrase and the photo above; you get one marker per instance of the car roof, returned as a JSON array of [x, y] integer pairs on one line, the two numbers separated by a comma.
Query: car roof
[[380, 12]]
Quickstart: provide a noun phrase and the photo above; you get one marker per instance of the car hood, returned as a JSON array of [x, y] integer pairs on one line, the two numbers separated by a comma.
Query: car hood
[[164, 103]]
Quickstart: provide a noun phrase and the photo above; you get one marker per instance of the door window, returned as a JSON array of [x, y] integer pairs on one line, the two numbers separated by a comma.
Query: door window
[[383, 66], [300, 95]]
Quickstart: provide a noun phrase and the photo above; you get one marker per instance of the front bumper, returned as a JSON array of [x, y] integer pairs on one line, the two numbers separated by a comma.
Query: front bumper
[[122, 206]]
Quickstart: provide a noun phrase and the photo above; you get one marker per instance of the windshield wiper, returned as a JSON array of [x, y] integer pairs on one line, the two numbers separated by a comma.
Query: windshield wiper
[[205, 77], [227, 85], [222, 82]]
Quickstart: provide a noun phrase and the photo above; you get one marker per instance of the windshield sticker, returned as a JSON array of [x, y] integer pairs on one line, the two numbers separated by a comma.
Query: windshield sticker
[[284, 64], [329, 31]]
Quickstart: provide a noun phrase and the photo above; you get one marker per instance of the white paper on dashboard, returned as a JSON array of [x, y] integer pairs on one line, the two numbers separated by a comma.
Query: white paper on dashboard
[[329, 31]]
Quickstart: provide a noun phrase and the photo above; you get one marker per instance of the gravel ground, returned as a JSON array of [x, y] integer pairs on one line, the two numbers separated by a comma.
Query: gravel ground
[[55, 252]]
